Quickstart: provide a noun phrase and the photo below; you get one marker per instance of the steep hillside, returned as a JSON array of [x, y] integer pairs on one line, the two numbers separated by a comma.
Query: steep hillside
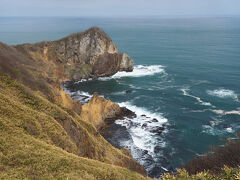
[[42, 130]]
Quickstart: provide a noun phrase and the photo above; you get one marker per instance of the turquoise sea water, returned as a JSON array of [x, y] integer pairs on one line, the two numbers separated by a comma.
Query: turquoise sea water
[[187, 76]]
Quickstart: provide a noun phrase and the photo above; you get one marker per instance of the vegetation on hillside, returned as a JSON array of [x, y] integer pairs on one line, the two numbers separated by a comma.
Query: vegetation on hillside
[[214, 161], [36, 140], [220, 163]]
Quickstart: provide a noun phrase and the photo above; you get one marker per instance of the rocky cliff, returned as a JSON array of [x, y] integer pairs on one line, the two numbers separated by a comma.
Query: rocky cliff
[[102, 113], [43, 132], [89, 54]]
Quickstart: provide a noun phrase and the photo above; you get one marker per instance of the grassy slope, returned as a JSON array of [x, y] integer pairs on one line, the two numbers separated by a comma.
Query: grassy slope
[[33, 143], [32, 101]]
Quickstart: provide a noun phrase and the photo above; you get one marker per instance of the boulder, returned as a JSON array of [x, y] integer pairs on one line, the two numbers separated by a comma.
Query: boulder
[[126, 63]]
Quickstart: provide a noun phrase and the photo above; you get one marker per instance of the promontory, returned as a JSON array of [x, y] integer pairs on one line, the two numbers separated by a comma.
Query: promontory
[[44, 133]]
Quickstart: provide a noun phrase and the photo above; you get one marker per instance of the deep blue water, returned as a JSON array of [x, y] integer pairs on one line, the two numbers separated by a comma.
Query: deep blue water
[[187, 76]]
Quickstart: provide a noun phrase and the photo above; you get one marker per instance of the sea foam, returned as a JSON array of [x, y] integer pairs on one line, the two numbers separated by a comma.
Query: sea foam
[[222, 112], [138, 71], [142, 111], [141, 70], [223, 93], [185, 93], [141, 137]]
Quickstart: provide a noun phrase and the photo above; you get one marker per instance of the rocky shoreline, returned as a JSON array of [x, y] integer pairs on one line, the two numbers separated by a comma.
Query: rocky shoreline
[[120, 137], [121, 114]]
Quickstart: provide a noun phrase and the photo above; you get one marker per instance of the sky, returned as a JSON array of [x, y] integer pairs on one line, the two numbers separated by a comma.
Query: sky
[[111, 8]]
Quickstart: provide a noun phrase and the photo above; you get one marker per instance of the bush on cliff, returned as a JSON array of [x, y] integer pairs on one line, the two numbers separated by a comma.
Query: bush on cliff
[[220, 163]]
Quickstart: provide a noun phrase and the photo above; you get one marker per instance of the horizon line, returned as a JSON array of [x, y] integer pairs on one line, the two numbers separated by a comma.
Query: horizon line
[[128, 16]]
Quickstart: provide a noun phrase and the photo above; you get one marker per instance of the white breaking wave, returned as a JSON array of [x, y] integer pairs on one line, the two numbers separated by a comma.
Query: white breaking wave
[[142, 111], [79, 95], [138, 71], [141, 70], [82, 93], [223, 93], [214, 131], [185, 93], [83, 80], [142, 138]]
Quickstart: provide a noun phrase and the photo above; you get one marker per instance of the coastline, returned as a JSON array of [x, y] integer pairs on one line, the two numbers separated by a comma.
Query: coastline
[[41, 68]]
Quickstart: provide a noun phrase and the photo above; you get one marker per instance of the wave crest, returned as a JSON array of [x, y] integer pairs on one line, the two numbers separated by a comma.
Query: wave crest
[[138, 71], [223, 93], [142, 138], [185, 93], [142, 111]]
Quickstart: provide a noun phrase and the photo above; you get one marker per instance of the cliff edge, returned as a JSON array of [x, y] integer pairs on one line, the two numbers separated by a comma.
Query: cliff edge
[[84, 55]]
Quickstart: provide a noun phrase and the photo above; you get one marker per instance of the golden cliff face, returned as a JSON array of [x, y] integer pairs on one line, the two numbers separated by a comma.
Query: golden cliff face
[[100, 111]]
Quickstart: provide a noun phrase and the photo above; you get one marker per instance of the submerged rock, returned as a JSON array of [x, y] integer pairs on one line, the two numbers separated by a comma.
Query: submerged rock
[[152, 129], [128, 91], [125, 112], [144, 125], [154, 120], [157, 130]]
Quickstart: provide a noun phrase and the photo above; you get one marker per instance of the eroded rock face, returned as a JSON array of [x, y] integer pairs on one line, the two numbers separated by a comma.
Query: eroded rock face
[[89, 54], [84, 47], [100, 111]]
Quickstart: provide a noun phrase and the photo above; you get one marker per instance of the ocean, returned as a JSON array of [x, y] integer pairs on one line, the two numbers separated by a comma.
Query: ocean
[[185, 86]]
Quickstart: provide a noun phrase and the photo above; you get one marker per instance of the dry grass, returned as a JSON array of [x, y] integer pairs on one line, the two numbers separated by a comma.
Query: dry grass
[[40, 139]]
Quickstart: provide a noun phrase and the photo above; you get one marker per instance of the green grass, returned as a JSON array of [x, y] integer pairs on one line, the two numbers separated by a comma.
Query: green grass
[[16, 71], [86, 69]]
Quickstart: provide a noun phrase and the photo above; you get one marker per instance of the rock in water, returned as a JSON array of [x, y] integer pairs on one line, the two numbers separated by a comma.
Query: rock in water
[[125, 112], [126, 63], [128, 91]]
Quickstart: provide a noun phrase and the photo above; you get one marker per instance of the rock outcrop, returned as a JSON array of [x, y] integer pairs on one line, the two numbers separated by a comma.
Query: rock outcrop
[[102, 113], [89, 54], [126, 63]]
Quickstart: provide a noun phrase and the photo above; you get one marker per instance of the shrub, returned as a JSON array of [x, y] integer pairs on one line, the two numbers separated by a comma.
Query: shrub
[[214, 161]]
